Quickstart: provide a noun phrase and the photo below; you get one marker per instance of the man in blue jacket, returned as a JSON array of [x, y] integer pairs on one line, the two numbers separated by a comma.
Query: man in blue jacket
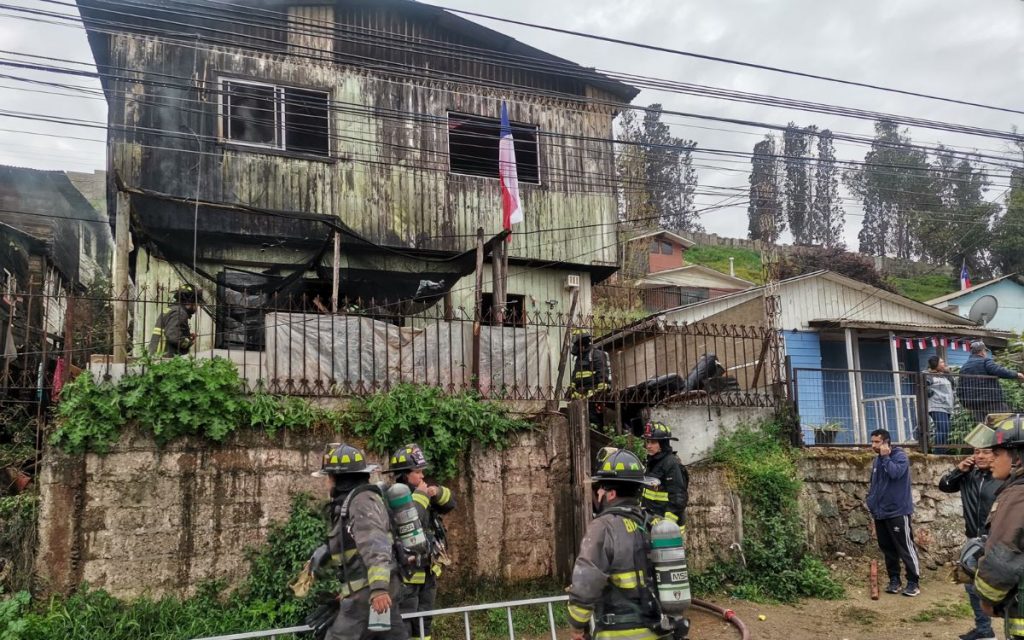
[[890, 503], [979, 390]]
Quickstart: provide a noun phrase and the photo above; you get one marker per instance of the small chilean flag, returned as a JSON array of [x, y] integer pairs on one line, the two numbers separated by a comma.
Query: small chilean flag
[[511, 206], [966, 345], [935, 341], [922, 343], [943, 341], [909, 342], [965, 280]]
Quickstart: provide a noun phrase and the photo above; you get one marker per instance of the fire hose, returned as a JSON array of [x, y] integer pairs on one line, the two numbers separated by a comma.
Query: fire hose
[[726, 614]]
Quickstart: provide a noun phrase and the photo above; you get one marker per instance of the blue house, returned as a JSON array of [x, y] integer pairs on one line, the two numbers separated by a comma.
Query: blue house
[[1008, 292], [849, 347]]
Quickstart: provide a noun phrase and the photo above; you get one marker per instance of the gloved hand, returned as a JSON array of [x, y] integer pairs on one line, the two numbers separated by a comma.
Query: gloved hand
[[319, 557]]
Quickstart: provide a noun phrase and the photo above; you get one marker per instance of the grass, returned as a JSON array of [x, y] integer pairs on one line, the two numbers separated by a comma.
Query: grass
[[923, 288], [529, 621], [943, 610], [747, 261]]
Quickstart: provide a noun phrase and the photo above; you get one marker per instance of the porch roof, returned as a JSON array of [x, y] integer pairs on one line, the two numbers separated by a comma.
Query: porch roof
[[993, 338]]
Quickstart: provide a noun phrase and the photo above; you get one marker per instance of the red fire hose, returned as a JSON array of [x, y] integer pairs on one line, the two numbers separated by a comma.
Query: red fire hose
[[726, 614]]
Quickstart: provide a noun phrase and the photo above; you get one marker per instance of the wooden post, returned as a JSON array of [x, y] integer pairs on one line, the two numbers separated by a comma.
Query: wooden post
[[579, 448], [563, 356], [335, 272], [477, 307], [122, 236], [497, 295]]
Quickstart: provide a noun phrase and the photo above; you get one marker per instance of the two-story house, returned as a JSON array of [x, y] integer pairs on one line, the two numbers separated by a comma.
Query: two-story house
[[245, 137]]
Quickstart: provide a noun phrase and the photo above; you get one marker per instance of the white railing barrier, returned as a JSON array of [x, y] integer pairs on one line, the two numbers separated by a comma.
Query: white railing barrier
[[279, 634]]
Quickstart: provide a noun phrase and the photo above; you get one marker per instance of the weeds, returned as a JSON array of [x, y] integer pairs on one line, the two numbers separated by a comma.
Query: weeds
[[778, 566]]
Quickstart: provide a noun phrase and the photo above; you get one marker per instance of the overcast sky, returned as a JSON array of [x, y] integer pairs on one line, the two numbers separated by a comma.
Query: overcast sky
[[971, 50]]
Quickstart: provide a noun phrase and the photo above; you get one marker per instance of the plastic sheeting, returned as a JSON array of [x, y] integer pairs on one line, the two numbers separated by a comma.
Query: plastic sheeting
[[358, 354]]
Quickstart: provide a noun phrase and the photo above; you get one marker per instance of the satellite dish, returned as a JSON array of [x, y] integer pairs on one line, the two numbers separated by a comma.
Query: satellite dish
[[983, 310]]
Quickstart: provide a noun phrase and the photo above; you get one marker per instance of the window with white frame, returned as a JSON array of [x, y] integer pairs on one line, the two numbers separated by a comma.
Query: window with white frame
[[275, 117]]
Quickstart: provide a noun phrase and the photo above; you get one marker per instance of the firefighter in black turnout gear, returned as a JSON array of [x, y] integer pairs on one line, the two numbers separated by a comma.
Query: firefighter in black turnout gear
[[591, 373], [670, 497], [999, 573], [360, 547], [612, 580], [419, 582], [172, 335]]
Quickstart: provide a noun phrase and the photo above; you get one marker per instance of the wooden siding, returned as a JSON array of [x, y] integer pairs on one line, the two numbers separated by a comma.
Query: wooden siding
[[309, 31], [390, 179]]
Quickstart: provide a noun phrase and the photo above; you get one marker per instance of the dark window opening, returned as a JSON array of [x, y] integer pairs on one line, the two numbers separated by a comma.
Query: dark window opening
[[473, 147], [278, 117], [240, 310], [306, 115], [251, 112], [515, 310], [661, 247]]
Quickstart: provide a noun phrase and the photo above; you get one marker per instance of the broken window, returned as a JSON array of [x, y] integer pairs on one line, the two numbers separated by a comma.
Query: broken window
[[473, 147], [515, 310], [267, 115]]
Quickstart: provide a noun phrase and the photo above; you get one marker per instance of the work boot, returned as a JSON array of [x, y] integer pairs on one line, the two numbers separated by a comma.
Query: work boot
[[912, 590], [894, 586], [975, 634]]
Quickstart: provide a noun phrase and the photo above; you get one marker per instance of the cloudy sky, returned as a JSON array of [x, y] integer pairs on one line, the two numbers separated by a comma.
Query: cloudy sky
[[954, 48]]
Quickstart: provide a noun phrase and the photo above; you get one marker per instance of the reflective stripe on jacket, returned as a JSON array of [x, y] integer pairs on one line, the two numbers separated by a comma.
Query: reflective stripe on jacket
[[171, 334]]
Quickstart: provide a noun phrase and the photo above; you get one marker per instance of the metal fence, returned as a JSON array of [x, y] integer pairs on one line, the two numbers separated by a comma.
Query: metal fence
[[417, 618], [296, 345], [843, 406]]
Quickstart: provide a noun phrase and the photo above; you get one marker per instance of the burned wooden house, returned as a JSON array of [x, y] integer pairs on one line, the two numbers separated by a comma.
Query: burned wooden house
[[53, 244], [246, 137]]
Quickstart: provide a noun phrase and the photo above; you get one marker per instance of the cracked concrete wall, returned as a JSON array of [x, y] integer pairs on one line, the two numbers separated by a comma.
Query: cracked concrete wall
[[148, 520]]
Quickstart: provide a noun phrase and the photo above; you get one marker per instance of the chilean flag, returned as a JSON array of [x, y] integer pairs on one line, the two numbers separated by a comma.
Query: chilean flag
[[511, 206], [965, 280]]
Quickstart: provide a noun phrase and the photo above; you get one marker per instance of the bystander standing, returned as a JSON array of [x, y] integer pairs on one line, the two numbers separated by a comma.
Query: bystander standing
[[891, 504]]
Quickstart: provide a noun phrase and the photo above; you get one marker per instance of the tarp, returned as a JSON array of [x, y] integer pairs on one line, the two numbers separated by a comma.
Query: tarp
[[357, 354]]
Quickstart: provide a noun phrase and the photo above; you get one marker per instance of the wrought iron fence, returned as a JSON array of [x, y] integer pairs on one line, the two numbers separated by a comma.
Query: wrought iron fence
[[935, 411], [297, 345]]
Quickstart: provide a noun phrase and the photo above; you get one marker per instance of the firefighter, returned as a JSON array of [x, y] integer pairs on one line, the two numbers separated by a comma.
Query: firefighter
[[419, 585], [670, 497], [1000, 571], [609, 586], [172, 335], [361, 547], [591, 373]]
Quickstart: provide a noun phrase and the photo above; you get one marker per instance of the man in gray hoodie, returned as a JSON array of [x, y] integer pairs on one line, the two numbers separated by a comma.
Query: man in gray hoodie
[[939, 389]]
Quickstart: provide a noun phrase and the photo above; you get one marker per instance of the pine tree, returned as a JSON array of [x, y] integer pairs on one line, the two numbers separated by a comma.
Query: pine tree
[[671, 179], [765, 211], [795, 143], [954, 228], [827, 215], [894, 184]]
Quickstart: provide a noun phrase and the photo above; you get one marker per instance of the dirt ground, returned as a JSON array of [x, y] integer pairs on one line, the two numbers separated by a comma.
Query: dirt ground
[[940, 612]]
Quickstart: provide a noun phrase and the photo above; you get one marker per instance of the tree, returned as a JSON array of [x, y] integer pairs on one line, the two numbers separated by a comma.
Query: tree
[[671, 179], [765, 211], [656, 175], [636, 211], [894, 184], [797, 183], [955, 227], [827, 215], [1008, 231]]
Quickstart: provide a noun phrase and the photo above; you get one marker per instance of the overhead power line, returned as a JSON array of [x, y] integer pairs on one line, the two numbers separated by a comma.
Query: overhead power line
[[751, 65]]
